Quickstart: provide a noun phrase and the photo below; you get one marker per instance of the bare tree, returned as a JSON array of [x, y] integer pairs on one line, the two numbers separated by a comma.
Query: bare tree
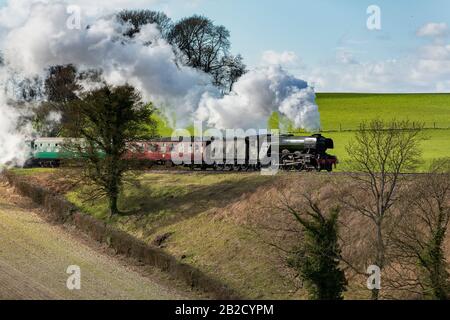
[[205, 46], [420, 238], [232, 69], [380, 153], [139, 18]]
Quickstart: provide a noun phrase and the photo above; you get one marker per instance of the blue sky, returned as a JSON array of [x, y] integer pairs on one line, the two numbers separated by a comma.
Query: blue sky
[[314, 29], [330, 40]]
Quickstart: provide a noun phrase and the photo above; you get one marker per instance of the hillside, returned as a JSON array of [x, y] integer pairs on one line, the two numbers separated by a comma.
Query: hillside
[[227, 225]]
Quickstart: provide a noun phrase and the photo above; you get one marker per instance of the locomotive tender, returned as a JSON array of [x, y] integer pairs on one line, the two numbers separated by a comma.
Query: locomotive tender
[[294, 153]]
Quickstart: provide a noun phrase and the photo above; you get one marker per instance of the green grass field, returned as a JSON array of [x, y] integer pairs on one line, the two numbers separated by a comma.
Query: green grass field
[[435, 146], [341, 112], [347, 111]]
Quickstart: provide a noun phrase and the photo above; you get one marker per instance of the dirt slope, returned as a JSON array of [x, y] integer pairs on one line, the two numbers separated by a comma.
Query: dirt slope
[[34, 257]]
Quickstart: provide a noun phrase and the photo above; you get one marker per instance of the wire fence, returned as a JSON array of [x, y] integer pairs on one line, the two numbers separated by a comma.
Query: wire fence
[[426, 125]]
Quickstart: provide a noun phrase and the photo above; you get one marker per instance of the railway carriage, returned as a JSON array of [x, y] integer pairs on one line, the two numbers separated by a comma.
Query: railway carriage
[[243, 153], [158, 151], [46, 152]]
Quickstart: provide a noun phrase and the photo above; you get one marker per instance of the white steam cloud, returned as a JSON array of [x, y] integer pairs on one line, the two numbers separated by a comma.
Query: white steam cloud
[[31, 45], [12, 138], [256, 96]]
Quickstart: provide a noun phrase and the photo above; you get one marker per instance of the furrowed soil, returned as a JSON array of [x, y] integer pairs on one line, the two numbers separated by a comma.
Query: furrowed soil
[[35, 255]]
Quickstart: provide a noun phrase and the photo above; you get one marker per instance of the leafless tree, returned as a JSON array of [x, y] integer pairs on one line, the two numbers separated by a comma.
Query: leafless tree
[[419, 241], [380, 154], [206, 46], [139, 18]]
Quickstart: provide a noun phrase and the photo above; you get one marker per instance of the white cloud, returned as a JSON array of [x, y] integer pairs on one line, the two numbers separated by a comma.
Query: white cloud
[[433, 29], [345, 56], [435, 51], [427, 69], [271, 57]]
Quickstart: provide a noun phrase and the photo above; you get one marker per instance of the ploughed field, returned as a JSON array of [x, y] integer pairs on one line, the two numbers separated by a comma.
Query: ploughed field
[[35, 255]]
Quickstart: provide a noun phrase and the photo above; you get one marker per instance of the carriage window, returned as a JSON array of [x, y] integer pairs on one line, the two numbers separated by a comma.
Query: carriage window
[[153, 147]]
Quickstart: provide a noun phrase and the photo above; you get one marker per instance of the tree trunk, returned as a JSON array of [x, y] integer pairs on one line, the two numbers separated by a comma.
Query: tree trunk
[[438, 276], [375, 294], [379, 259], [113, 209]]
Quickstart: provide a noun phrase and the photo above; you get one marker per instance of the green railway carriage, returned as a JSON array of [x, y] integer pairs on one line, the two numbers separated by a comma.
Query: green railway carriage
[[47, 152]]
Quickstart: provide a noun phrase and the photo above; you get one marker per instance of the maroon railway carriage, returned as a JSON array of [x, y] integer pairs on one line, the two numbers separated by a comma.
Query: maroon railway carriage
[[160, 151]]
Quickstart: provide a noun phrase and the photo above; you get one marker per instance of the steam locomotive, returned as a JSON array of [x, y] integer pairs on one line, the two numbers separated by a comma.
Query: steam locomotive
[[248, 153]]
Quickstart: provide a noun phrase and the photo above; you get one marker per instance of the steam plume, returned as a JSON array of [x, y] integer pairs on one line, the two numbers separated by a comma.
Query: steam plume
[[42, 39]]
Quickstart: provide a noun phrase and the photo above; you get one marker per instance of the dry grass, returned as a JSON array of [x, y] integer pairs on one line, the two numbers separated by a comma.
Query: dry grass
[[35, 256], [230, 226]]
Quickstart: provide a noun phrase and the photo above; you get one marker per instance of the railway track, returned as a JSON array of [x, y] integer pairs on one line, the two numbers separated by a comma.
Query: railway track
[[212, 172]]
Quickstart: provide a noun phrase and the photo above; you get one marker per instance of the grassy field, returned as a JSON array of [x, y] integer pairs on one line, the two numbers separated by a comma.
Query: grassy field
[[436, 145], [342, 112], [346, 111]]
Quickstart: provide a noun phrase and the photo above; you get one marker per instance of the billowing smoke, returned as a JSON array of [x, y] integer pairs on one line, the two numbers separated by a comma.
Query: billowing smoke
[[256, 96], [13, 149], [30, 46]]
